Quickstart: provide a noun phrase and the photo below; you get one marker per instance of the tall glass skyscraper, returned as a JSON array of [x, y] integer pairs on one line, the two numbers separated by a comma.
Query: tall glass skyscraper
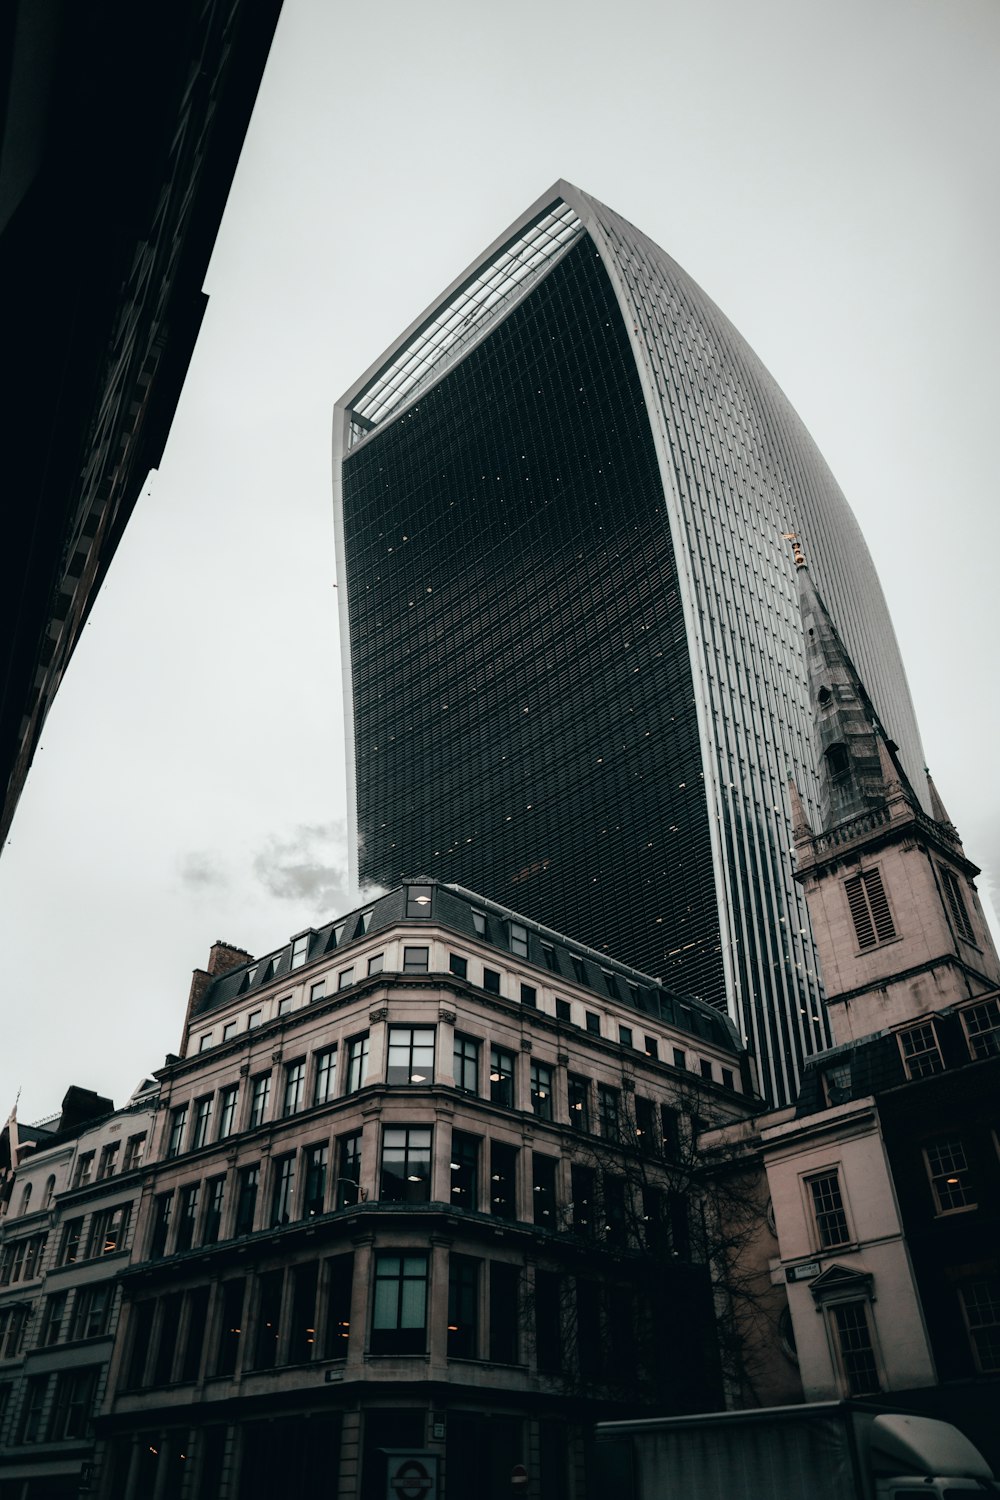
[[571, 640]]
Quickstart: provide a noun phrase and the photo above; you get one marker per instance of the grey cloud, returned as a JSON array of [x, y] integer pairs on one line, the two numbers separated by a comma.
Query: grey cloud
[[308, 866], [201, 870]]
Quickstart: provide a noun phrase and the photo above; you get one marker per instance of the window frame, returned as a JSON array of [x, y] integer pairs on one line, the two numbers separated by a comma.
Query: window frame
[[823, 1218]]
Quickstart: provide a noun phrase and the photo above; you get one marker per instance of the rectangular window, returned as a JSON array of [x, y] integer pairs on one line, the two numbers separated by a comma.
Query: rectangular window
[[679, 1059], [491, 981], [163, 1207], [466, 1064], [705, 1067], [91, 1311], [625, 1036], [829, 1214], [317, 991], [519, 939], [215, 1193], [202, 1121], [345, 978], [34, 1249], [956, 904], [505, 1314], [458, 965], [982, 1027], [295, 1088], [503, 1180], [609, 1112], [228, 1098], [187, 1216], [920, 1051], [140, 1331], [670, 1132], [73, 1406], [610, 985], [230, 1327], [108, 1229], [194, 1343], [869, 909], [652, 1046], [541, 1090], [579, 969], [166, 1344], [854, 1339], [357, 1062], [543, 1190], [654, 1221], [109, 1160], [951, 1180], [246, 1199], [563, 1012], [464, 1171], [406, 1164], [135, 1148], [416, 960], [364, 922], [12, 1324], [325, 1086], [316, 1161], [593, 1022], [283, 1190], [502, 1077], [35, 1389], [270, 1288], [980, 1301], [205, 1042], [300, 951], [302, 1334], [84, 1169], [614, 1210], [230, 1030], [549, 955], [529, 996], [55, 1312], [579, 1102], [399, 1317], [645, 1132], [376, 964], [548, 1322], [285, 1005], [419, 900], [255, 1019], [728, 1080], [349, 1170], [260, 1098], [411, 1055], [479, 923], [339, 1284], [582, 1181], [69, 1251], [463, 1307]]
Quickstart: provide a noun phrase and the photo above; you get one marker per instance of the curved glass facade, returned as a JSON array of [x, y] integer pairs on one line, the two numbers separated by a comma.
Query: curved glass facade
[[572, 641]]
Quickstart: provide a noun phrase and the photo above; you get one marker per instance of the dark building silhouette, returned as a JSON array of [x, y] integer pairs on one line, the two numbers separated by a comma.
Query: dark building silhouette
[[120, 129], [573, 652]]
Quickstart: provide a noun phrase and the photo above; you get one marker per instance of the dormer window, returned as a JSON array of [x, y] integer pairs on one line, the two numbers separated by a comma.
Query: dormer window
[[418, 901], [300, 951]]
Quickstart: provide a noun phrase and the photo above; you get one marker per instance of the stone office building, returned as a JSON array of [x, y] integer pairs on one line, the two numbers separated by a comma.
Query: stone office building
[[410, 1175]]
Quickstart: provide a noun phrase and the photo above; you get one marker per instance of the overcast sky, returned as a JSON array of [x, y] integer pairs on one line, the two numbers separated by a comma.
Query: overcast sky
[[826, 171]]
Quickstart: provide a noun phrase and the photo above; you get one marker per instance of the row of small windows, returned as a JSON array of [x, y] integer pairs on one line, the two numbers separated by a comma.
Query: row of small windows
[[24, 1259], [82, 1314], [484, 1176], [411, 1059], [416, 960]]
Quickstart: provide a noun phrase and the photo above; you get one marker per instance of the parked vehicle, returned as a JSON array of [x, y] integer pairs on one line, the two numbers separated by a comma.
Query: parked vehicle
[[830, 1450]]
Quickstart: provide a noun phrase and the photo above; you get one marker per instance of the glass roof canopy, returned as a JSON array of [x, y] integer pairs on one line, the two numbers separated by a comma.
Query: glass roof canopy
[[463, 317]]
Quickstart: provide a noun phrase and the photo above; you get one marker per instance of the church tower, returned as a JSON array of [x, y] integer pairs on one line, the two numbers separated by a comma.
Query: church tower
[[897, 920]]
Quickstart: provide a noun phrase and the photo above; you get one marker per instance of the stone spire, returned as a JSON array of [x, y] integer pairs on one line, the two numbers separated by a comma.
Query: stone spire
[[938, 810], [857, 768]]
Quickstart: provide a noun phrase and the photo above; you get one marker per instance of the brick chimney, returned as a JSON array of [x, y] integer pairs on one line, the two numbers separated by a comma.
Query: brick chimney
[[222, 958]]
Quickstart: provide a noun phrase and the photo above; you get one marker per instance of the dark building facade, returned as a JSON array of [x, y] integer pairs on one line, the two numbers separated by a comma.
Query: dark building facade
[[120, 129], [573, 654]]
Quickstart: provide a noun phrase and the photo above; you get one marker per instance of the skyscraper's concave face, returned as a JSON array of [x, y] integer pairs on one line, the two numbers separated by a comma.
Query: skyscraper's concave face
[[572, 643]]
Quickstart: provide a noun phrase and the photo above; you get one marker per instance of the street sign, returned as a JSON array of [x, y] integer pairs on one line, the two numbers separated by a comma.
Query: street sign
[[411, 1476]]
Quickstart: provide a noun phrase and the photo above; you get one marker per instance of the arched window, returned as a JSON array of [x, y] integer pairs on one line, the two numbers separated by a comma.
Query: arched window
[[26, 1197], [50, 1188]]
